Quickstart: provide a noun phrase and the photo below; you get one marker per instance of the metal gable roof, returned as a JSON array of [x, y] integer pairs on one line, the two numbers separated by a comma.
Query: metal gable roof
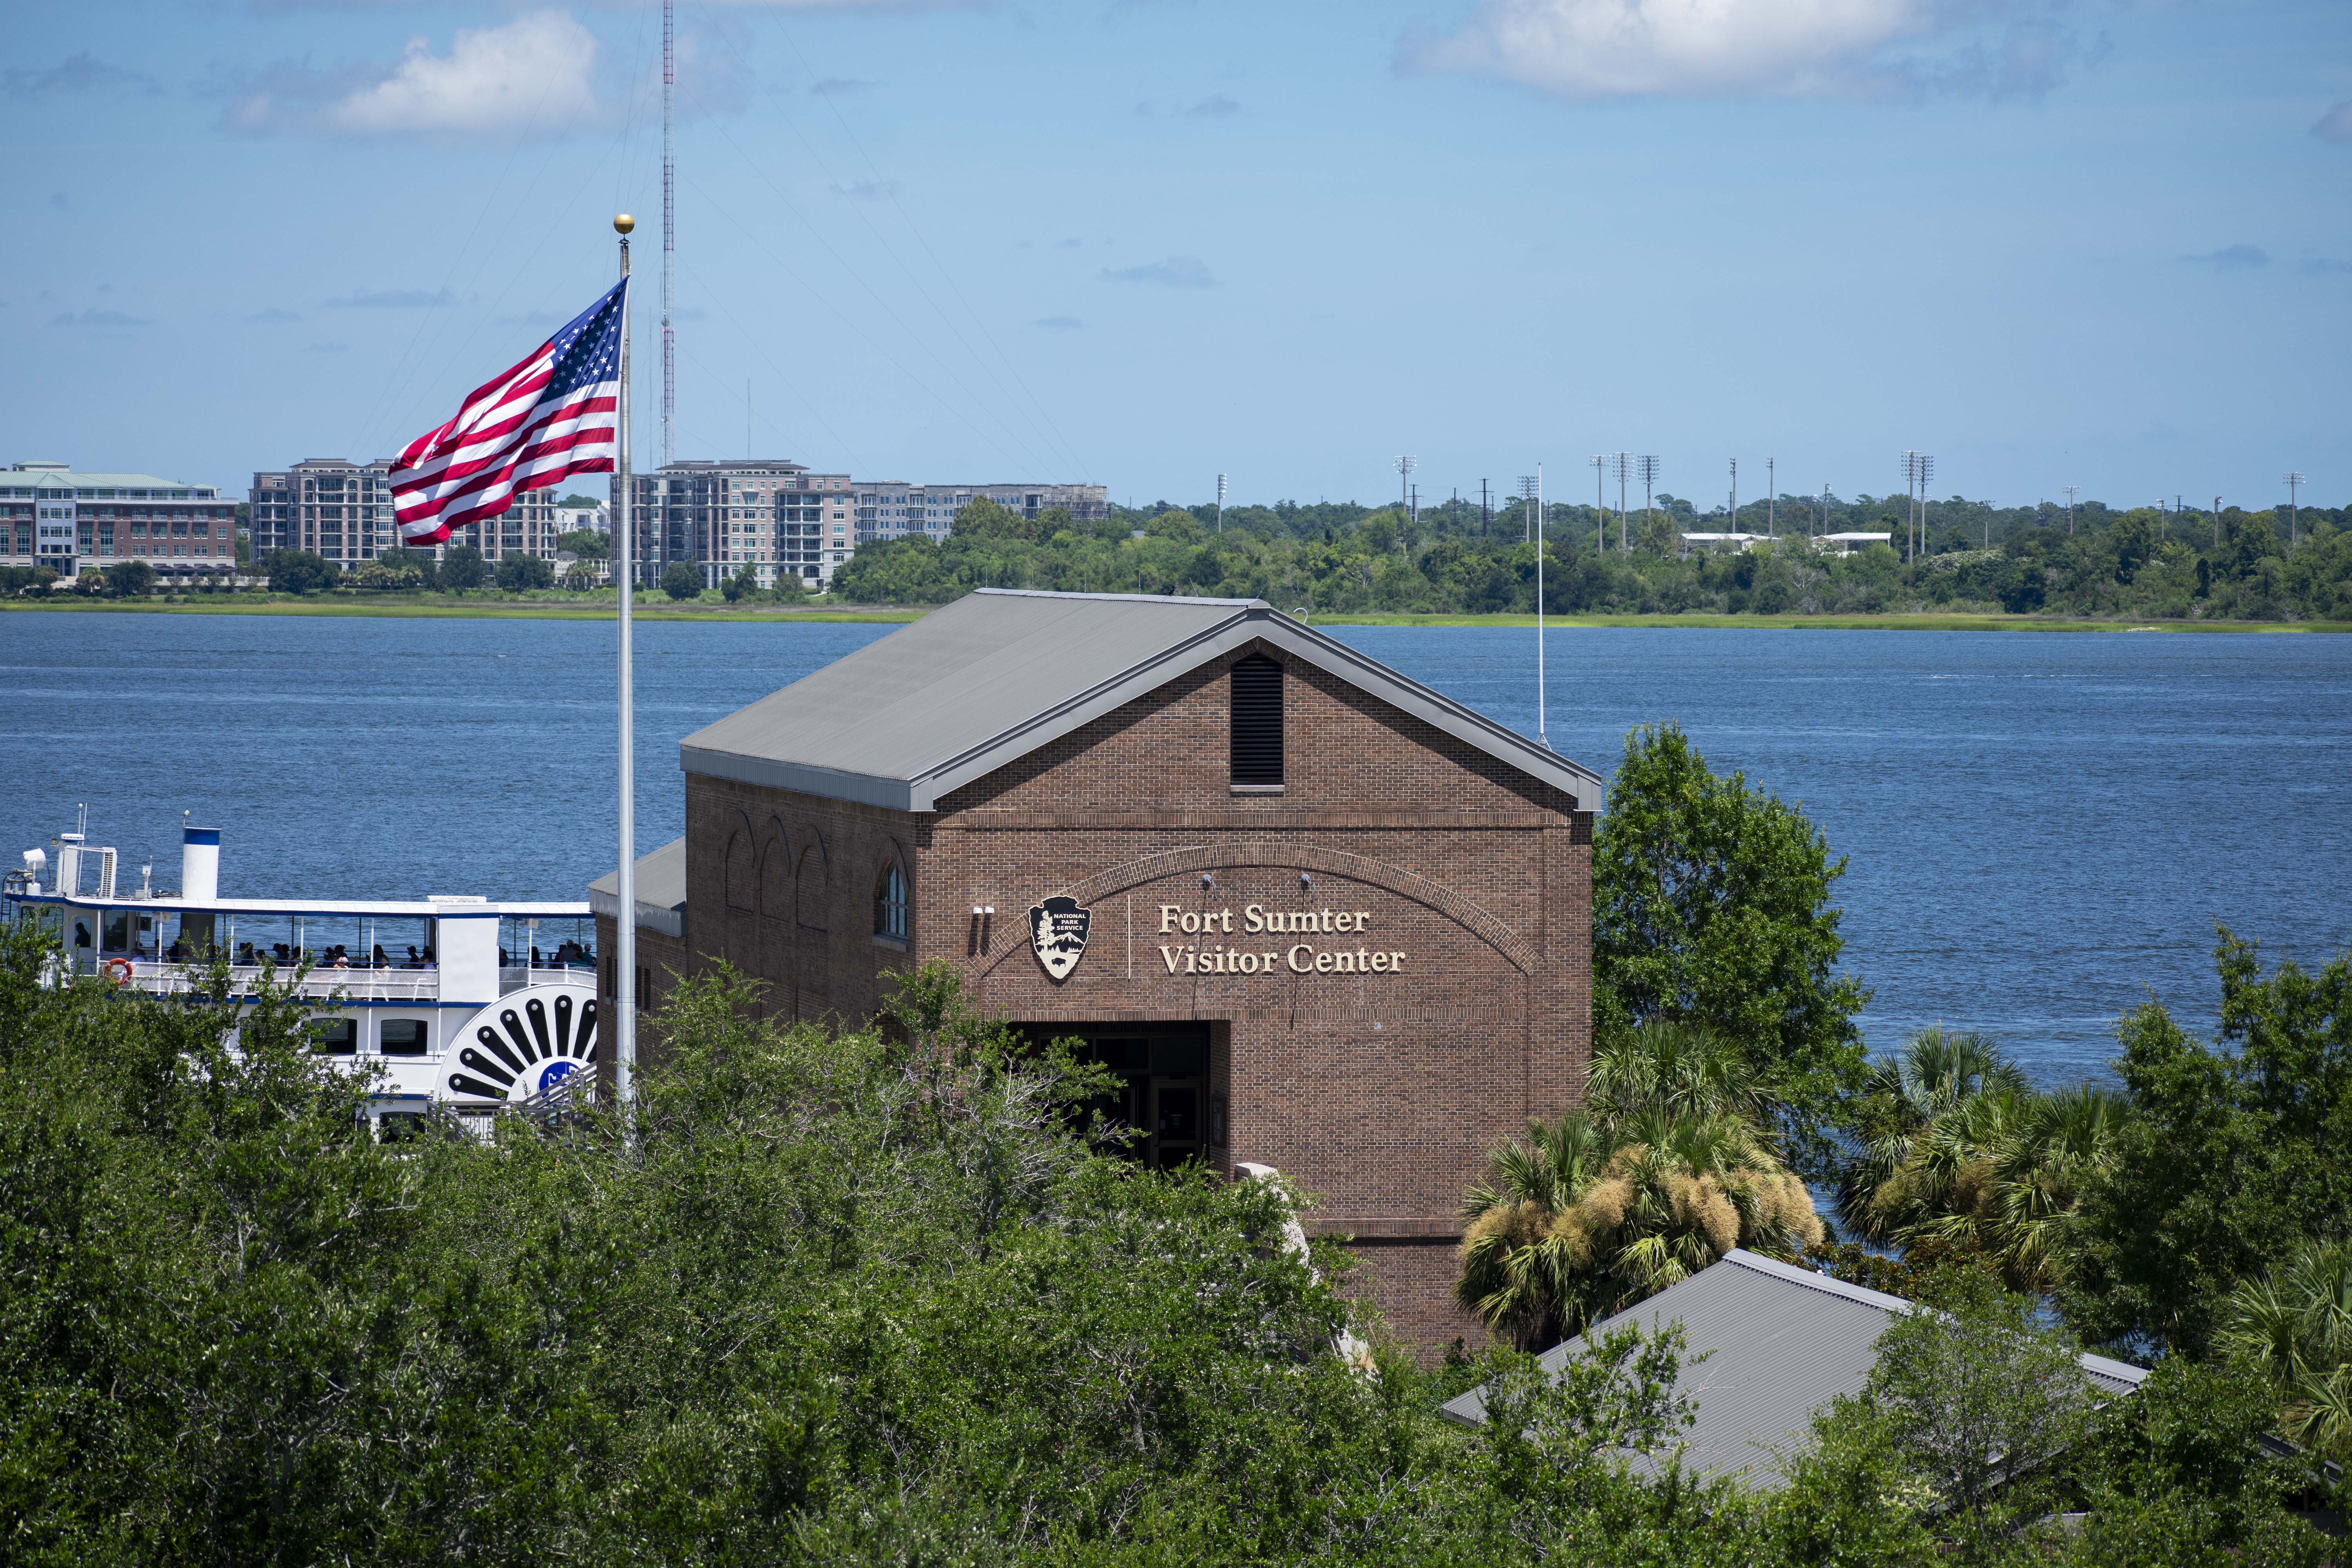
[[1785, 1341], [982, 681], [660, 890]]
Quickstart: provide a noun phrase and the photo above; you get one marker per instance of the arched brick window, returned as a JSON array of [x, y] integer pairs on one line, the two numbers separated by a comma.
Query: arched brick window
[[890, 902]]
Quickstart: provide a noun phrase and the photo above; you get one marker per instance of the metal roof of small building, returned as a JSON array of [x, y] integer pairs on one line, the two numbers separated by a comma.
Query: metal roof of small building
[[1785, 1341], [660, 890], [981, 682]]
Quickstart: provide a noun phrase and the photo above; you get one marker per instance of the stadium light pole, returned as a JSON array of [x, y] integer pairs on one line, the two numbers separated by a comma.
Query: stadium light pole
[[1600, 503], [1623, 464], [624, 924], [1649, 463]]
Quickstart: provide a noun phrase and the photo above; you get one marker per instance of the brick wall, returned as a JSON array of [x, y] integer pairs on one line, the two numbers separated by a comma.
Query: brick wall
[[1378, 1092]]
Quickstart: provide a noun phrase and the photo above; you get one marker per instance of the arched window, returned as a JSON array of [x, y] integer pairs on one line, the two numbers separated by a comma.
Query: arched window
[[890, 902]]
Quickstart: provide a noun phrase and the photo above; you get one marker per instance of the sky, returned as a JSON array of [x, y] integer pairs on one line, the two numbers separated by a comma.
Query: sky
[[1140, 243]]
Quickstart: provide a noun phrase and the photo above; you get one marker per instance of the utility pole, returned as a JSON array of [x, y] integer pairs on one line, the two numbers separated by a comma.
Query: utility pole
[[2069, 490], [1771, 501], [1600, 507], [1821, 522], [1404, 482], [1624, 463], [1735, 495], [1413, 507], [2216, 524], [1485, 513], [2292, 480], [1649, 478], [1221, 503]]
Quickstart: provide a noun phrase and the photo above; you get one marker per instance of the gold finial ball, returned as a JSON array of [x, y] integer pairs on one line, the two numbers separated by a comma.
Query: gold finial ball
[[624, 223]]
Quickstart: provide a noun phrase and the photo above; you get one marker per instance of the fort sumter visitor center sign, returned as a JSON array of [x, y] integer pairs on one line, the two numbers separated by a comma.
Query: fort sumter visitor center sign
[[1256, 920]]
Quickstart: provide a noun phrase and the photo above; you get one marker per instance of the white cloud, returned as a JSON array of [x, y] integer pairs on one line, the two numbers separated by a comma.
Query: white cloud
[[532, 72], [1176, 272], [1587, 49]]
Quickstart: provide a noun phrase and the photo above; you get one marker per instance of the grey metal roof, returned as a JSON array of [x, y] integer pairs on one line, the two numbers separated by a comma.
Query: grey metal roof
[[660, 890], [1786, 1341], [984, 681]]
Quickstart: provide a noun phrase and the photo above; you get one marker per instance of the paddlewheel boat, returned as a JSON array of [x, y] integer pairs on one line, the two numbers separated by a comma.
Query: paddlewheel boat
[[468, 1003]]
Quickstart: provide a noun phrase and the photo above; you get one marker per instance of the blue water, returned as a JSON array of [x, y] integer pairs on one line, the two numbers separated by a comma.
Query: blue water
[[2042, 829]]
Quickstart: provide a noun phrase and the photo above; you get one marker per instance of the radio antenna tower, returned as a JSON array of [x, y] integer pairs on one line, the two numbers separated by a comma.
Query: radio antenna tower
[[1649, 469], [2293, 479], [669, 234]]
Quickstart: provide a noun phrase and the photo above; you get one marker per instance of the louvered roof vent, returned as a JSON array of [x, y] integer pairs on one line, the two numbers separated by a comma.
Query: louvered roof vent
[[1257, 723]]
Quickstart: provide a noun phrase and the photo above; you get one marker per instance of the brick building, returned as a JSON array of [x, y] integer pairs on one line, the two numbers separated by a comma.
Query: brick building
[[1315, 915], [767, 513], [892, 509], [343, 511], [51, 516]]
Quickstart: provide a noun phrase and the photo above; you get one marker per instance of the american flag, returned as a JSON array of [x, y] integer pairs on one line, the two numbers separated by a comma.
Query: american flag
[[555, 414]]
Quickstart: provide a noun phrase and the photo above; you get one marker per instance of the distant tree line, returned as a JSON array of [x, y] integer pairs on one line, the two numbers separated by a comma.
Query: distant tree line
[[1456, 559]]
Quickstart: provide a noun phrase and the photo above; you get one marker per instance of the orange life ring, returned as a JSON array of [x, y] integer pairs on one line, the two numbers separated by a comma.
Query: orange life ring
[[119, 971]]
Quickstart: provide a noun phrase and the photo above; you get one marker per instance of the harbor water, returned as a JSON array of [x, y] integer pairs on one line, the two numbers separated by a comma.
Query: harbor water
[[2042, 830]]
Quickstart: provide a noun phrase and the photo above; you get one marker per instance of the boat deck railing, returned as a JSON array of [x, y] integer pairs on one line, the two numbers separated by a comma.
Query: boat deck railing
[[169, 977]]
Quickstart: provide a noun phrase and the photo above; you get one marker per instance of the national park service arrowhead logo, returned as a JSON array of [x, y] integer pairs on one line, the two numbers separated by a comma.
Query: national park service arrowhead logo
[[1057, 930]]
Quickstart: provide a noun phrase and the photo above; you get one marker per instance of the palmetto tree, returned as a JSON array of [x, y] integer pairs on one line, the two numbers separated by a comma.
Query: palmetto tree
[[1664, 1175], [1956, 1146], [2295, 1324]]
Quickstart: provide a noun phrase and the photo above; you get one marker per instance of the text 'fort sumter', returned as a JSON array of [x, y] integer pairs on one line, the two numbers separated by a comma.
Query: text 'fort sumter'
[[1257, 920]]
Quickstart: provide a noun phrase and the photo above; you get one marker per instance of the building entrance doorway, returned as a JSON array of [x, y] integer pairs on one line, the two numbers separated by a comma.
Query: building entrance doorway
[[1162, 1095]]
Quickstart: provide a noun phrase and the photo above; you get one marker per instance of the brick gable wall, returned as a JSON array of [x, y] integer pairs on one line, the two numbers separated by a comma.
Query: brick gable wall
[[1378, 1092]]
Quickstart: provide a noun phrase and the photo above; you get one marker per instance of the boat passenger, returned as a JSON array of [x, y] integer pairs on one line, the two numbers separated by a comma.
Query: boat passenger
[[429, 960], [414, 962], [177, 953], [378, 959]]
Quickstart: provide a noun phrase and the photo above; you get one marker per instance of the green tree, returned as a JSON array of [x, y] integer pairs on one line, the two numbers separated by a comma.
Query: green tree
[[585, 542], [462, 567], [2236, 1154], [519, 573], [682, 581], [299, 571], [130, 579], [1979, 1398], [2294, 1326], [1711, 907], [1661, 1176], [1952, 1145], [744, 581]]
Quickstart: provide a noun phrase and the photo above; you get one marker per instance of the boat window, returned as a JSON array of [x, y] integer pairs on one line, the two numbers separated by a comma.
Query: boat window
[[402, 1038], [399, 1126], [336, 1036]]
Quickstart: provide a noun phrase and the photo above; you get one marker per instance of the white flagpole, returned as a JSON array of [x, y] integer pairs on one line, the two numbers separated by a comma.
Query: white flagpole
[[1541, 738], [625, 927]]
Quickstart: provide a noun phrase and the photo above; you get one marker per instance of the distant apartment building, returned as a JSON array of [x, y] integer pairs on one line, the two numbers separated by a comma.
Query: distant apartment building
[[52, 516], [894, 509], [770, 514], [343, 511]]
